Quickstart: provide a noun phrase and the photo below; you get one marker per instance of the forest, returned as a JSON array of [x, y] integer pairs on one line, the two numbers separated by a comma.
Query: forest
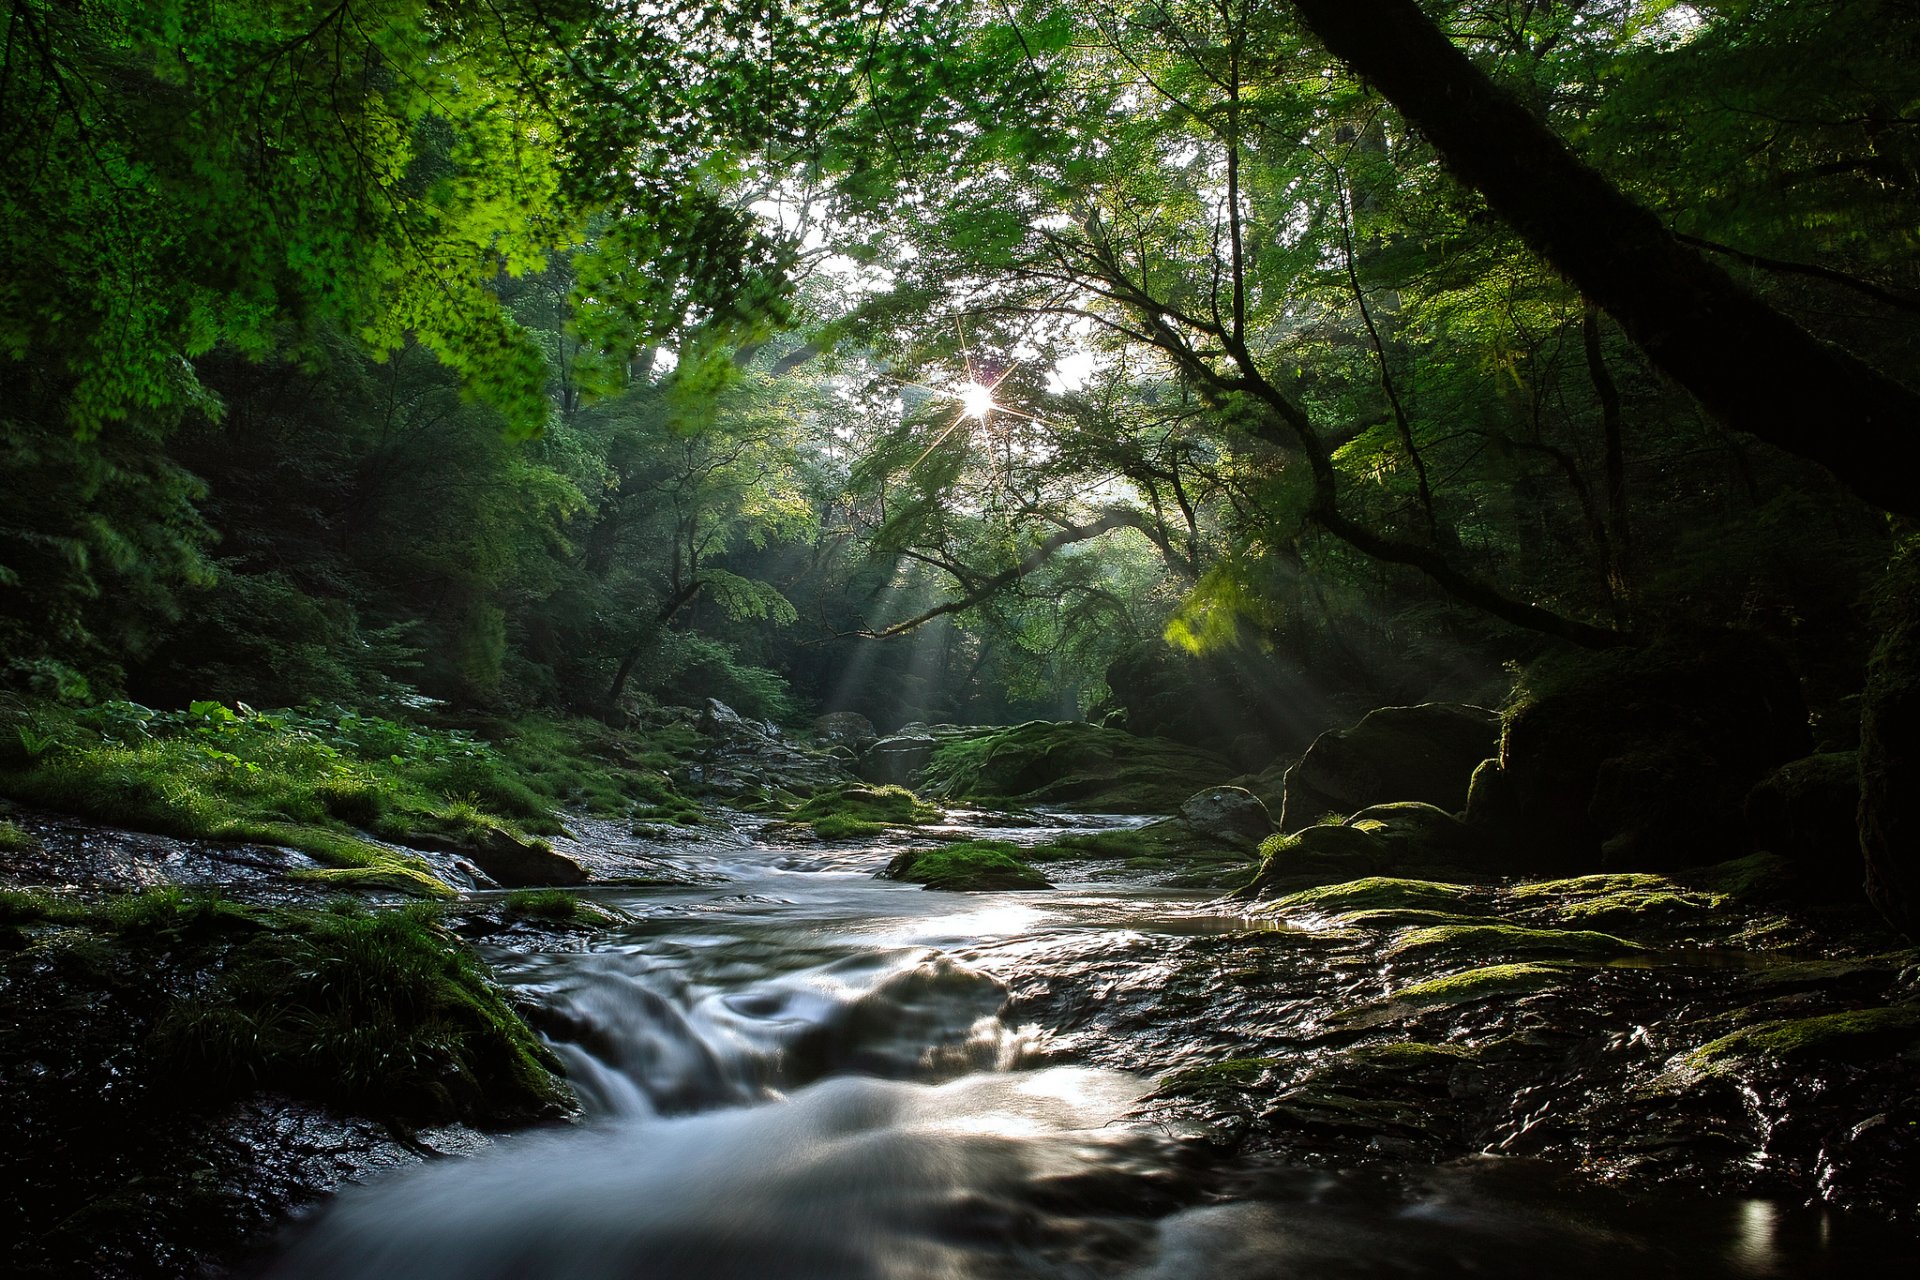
[[482, 477]]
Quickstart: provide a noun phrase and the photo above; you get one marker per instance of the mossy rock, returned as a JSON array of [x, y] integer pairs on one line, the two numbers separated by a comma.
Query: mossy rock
[[1484, 983], [1070, 763], [1641, 758], [1851, 1036], [1213, 1077], [558, 907], [1423, 753], [1620, 901], [967, 866], [859, 811], [1407, 1057], [1414, 835], [1758, 877], [1318, 855], [1374, 893], [1507, 940], [1386, 918]]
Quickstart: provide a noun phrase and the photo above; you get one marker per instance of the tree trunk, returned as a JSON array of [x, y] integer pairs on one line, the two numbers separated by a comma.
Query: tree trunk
[[1748, 364]]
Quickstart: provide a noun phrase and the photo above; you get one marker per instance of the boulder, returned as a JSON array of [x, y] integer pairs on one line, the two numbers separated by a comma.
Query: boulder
[[1425, 753], [1227, 815], [896, 760], [843, 727], [1419, 837], [1641, 759], [514, 863], [1890, 749], [1808, 812], [718, 720]]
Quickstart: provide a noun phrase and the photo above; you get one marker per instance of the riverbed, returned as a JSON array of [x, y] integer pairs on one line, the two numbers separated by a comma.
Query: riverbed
[[794, 1069]]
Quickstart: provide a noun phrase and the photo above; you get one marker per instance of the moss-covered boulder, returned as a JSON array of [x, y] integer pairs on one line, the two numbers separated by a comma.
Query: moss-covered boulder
[[967, 865], [1425, 753], [1807, 811], [1070, 763], [1641, 758], [1890, 749], [852, 812], [1377, 893], [517, 862], [1418, 837], [1489, 939]]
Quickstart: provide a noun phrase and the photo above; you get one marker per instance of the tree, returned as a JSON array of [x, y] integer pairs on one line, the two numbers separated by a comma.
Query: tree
[[1746, 361]]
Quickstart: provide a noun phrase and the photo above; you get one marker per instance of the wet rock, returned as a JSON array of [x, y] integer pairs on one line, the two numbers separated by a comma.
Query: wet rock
[[517, 863], [1640, 759], [1890, 749], [1426, 753], [1228, 815], [897, 760], [846, 727]]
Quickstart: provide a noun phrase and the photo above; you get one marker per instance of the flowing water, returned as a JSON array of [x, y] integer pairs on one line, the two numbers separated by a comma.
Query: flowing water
[[807, 1072]]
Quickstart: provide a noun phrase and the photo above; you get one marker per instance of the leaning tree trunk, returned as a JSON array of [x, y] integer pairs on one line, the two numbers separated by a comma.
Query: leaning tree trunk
[[1748, 364]]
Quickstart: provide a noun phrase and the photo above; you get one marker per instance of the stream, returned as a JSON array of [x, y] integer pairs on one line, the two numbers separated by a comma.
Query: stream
[[798, 1070]]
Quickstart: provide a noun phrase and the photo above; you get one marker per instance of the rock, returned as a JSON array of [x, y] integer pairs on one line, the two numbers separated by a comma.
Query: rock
[[896, 760], [1228, 815], [1808, 812], [719, 720], [967, 866], [1890, 749], [843, 727], [1419, 836], [1326, 854], [1426, 753], [514, 863], [1641, 759]]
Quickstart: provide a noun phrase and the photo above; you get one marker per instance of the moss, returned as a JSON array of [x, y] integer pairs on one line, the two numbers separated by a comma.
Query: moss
[[1061, 762], [381, 1011], [1409, 1056], [849, 812], [392, 877], [1234, 1073], [1758, 877], [1509, 939], [1397, 918], [1591, 885], [14, 840], [1376, 893], [1848, 1036], [968, 865], [1633, 907], [1479, 984], [311, 781], [556, 906]]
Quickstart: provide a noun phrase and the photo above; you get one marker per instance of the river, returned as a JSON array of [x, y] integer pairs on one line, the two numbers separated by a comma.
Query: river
[[797, 1070]]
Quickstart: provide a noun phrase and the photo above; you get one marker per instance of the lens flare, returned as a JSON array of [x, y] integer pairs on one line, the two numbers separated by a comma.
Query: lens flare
[[976, 401]]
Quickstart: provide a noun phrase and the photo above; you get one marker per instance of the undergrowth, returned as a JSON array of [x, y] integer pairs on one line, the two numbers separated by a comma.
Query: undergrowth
[[316, 779]]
